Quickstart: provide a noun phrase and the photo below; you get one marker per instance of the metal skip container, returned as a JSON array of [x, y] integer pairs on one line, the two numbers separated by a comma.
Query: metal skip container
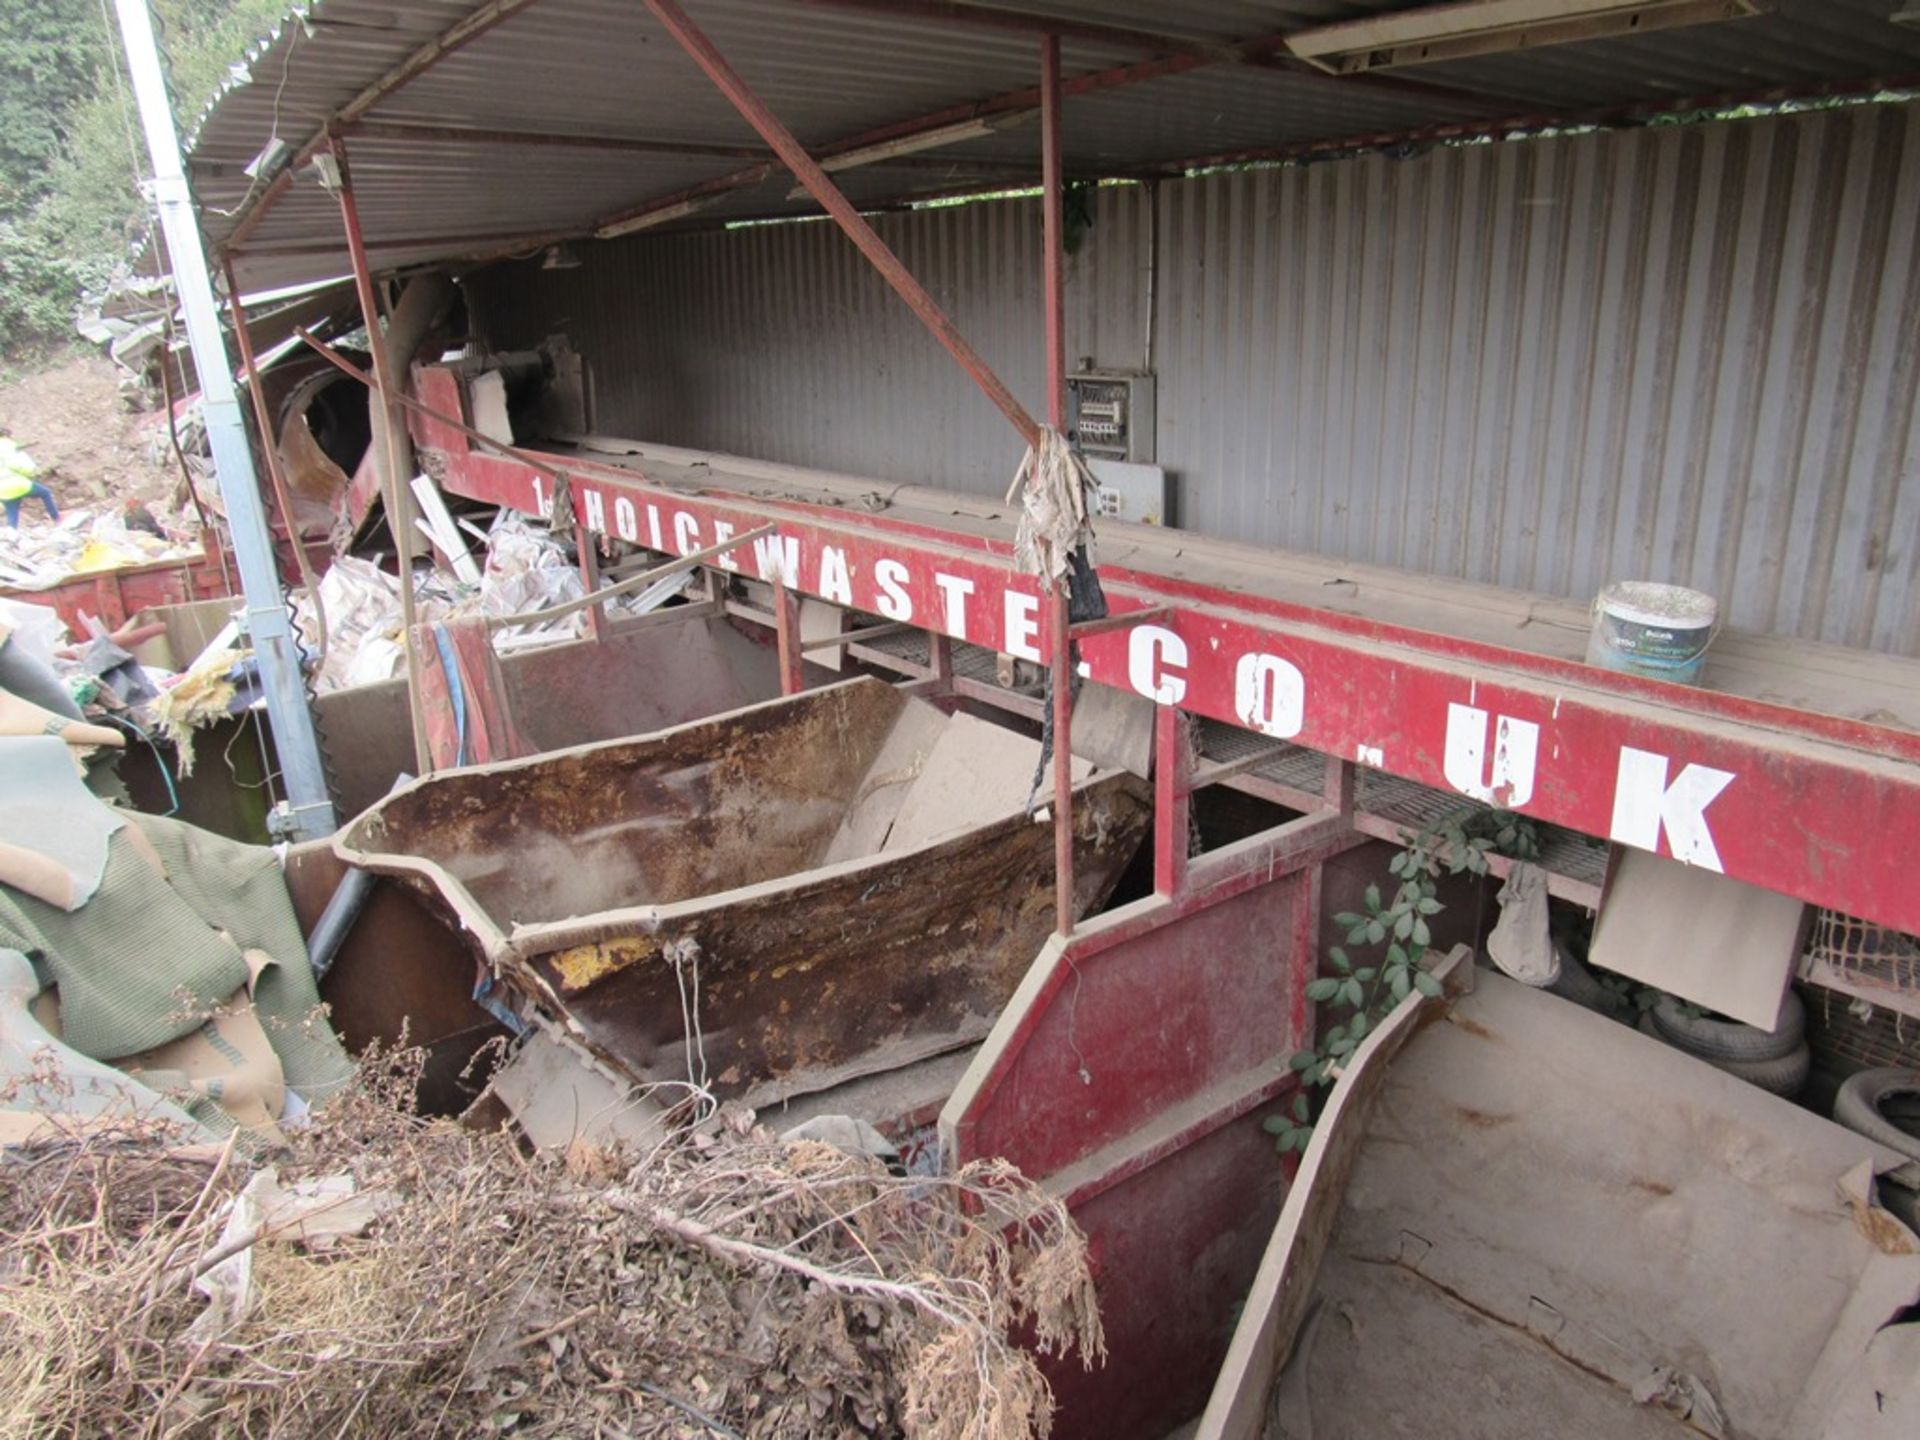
[[767, 902]]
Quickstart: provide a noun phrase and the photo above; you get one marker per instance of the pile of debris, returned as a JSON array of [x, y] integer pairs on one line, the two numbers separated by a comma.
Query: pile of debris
[[526, 570], [360, 642], [87, 541], [387, 1274]]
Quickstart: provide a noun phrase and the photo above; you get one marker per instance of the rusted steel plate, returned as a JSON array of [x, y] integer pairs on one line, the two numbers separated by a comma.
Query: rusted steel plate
[[636, 885], [849, 974]]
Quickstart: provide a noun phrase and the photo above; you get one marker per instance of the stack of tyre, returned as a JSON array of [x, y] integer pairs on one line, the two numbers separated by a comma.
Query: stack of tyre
[[1884, 1106], [1776, 1060]]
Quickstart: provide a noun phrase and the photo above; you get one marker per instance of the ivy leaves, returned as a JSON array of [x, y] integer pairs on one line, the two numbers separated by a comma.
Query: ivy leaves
[[1362, 991]]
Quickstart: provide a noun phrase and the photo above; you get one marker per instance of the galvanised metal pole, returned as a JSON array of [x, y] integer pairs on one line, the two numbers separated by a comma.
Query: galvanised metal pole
[[308, 809]]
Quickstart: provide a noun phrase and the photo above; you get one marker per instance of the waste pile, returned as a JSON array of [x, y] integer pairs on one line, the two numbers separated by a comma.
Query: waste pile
[[381, 1273], [526, 570], [86, 541], [352, 635]]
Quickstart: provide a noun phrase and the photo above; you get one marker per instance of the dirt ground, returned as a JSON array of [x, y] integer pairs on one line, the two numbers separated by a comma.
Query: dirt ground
[[90, 446]]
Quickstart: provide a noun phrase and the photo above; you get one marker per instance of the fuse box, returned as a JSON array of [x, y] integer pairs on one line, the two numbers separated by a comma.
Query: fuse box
[[1111, 413]]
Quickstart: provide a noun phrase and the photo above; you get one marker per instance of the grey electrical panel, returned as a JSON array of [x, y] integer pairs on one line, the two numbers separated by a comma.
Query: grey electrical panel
[[1111, 413]]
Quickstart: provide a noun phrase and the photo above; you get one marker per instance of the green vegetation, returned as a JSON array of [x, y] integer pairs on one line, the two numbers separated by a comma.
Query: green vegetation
[[1362, 989], [71, 152]]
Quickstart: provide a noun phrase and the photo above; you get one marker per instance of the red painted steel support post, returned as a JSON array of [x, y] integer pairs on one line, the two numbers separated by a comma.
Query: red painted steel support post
[[805, 169], [1053, 252], [940, 662], [786, 624], [1340, 784], [1172, 800], [385, 418], [590, 579]]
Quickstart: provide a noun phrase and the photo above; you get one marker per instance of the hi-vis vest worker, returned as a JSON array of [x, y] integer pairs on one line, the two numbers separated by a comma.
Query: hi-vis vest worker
[[17, 482]]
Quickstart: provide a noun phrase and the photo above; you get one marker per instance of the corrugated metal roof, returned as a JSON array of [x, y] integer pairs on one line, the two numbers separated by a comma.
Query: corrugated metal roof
[[604, 68], [1682, 353]]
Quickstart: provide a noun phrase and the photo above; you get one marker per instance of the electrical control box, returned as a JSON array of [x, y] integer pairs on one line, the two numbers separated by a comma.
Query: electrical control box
[[1111, 414]]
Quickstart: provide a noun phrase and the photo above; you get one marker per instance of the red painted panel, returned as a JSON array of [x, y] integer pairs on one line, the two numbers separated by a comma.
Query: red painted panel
[[1174, 1250], [1136, 1029], [1812, 806]]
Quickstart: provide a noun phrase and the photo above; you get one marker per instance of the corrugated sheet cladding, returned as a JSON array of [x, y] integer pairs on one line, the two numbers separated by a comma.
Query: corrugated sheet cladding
[[1684, 353]]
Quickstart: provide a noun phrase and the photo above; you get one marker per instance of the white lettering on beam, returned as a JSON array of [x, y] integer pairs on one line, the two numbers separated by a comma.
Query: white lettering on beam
[[778, 557], [723, 532], [1023, 626], [836, 582], [626, 520], [686, 532], [894, 602], [1508, 780], [1644, 804], [954, 590], [1270, 695], [595, 504], [1155, 658]]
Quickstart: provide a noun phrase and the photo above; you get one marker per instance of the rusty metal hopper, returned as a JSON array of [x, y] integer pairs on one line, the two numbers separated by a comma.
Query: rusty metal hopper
[[830, 885]]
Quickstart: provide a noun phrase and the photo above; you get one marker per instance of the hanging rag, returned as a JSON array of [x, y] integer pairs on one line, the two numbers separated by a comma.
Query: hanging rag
[[1052, 485]]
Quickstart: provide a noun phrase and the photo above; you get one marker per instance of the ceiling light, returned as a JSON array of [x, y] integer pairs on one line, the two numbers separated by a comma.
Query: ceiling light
[[926, 140], [1436, 33], [647, 219], [914, 144]]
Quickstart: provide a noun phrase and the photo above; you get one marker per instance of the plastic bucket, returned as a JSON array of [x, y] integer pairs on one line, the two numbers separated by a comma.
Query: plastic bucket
[[1660, 631]]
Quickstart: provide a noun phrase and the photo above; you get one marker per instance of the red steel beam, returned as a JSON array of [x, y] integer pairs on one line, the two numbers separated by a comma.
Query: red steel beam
[[1267, 52], [519, 239], [415, 133], [1028, 98], [1615, 115], [807, 170], [1816, 806], [987, 17], [419, 132]]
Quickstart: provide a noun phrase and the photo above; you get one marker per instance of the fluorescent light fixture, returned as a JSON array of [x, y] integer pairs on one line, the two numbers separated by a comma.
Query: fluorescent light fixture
[[934, 139], [560, 257], [1434, 33], [647, 219], [922, 140]]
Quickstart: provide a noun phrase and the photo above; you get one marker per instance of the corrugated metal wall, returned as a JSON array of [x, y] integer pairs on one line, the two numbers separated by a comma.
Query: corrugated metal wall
[[1684, 353]]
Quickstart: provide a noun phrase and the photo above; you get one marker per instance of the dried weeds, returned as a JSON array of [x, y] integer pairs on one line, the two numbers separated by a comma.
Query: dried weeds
[[723, 1284]]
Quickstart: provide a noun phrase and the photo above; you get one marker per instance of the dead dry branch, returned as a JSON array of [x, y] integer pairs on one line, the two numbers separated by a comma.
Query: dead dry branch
[[725, 1283]]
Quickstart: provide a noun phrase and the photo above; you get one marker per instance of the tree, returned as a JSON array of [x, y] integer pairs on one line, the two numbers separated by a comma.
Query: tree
[[50, 52], [71, 152]]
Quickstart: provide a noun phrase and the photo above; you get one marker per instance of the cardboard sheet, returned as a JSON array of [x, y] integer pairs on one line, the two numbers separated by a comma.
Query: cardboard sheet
[[1700, 935]]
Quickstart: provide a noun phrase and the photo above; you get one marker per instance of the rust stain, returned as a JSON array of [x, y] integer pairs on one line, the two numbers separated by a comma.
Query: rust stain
[[1481, 1119], [579, 966], [1472, 1027], [1651, 1187]]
